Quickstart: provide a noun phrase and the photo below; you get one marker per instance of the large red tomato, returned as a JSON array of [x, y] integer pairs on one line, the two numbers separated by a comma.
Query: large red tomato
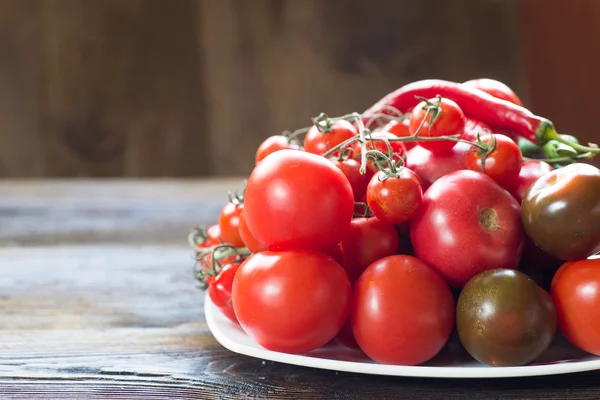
[[298, 200], [467, 224], [430, 167], [576, 293], [402, 311], [291, 301]]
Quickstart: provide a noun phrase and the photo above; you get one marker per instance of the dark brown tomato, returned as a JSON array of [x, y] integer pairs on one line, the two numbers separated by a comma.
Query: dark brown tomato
[[561, 212], [504, 318]]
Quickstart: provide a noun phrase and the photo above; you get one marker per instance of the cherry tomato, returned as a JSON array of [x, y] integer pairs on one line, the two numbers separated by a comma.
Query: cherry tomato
[[351, 168], [402, 311], [291, 301], [249, 240], [272, 144], [398, 148], [367, 240], [219, 290], [229, 222], [213, 237], [531, 171], [467, 224], [449, 120], [430, 167], [298, 200], [502, 165], [394, 199], [474, 127], [495, 88], [400, 129], [317, 142], [576, 293]]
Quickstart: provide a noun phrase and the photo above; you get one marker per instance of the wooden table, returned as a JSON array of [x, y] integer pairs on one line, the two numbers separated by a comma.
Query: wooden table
[[97, 300]]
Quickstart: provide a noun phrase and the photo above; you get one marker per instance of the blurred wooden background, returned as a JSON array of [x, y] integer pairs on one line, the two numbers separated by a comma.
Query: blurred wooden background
[[190, 87]]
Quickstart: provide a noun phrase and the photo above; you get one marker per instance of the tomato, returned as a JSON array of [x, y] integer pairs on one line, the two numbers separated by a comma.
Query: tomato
[[229, 223], [213, 237], [346, 337], [561, 213], [220, 288], [394, 199], [320, 142], [367, 240], [272, 144], [351, 168], [495, 88], [531, 171], [502, 165], [291, 301], [249, 240], [467, 224], [576, 293], [400, 129], [474, 127], [398, 148], [402, 311], [298, 200], [430, 167], [448, 119]]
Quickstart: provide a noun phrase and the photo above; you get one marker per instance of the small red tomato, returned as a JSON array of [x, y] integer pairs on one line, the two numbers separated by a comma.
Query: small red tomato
[[248, 238], [502, 165], [438, 117], [272, 144], [367, 240], [495, 88], [394, 199], [351, 168], [318, 142], [430, 167], [229, 223], [398, 148], [220, 288], [402, 311], [474, 127], [400, 129], [213, 237], [531, 171], [576, 293]]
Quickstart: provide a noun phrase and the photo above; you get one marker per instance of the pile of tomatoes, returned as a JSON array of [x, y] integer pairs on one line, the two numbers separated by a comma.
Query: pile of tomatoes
[[390, 233]]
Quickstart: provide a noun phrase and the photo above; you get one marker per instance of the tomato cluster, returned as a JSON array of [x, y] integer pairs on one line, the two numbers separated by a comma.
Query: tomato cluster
[[391, 238]]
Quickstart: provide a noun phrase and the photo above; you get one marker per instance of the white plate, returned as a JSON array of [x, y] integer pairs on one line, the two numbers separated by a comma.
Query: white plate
[[452, 362]]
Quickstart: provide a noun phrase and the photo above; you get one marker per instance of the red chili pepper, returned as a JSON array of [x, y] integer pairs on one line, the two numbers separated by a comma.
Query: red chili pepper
[[473, 102]]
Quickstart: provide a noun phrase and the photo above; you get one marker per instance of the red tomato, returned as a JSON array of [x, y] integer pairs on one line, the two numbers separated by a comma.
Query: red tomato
[[346, 337], [467, 224], [502, 165], [291, 301], [367, 240], [317, 142], [576, 293], [229, 223], [531, 171], [219, 290], [400, 129], [402, 311], [213, 237], [394, 199], [249, 240], [298, 200], [351, 168], [474, 127], [272, 144], [495, 88], [450, 120], [430, 167], [398, 148]]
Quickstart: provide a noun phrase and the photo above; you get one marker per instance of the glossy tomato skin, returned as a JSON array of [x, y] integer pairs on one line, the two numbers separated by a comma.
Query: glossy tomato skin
[[400, 129], [561, 213], [248, 238], [298, 200], [467, 224], [367, 240], [576, 293], [473, 127], [402, 311], [430, 167], [504, 318], [398, 148], [318, 142], [502, 165], [291, 301], [495, 88], [531, 171], [394, 199], [351, 169], [229, 223], [272, 144], [451, 121], [220, 288]]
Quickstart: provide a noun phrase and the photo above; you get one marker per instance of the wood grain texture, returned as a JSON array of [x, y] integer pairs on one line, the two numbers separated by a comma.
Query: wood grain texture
[[90, 315]]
